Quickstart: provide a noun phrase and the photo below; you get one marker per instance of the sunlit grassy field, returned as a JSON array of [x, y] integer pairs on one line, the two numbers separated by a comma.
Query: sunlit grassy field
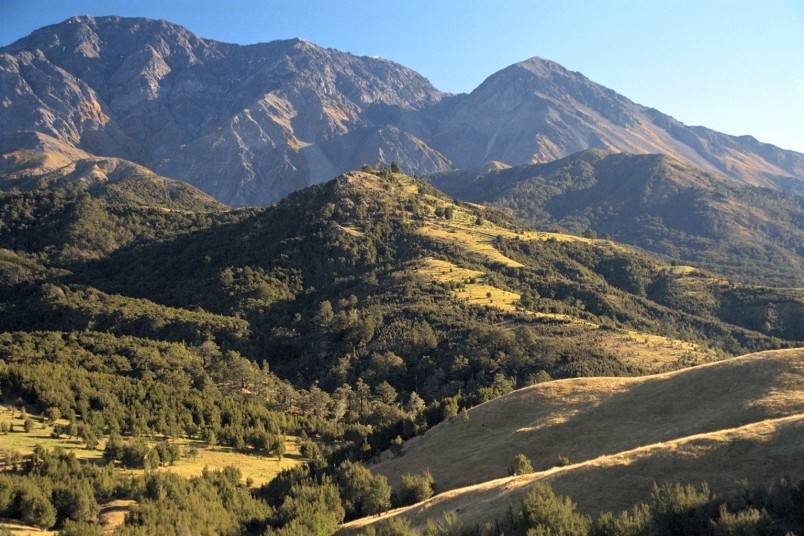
[[256, 468]]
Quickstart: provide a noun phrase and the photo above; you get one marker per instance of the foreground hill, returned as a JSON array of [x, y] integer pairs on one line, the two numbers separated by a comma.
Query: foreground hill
[[742, 418], [250, 124], [656, 203]]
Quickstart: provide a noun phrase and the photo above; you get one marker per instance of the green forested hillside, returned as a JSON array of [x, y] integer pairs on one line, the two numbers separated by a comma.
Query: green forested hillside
[[656, 203], [352, 315]]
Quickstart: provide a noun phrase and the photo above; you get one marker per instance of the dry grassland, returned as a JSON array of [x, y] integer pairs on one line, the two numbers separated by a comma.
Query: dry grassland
[[738, 418]]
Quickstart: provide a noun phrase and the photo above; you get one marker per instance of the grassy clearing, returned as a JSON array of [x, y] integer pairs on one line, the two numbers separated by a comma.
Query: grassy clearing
[[23, 443], [113, 514], [260, 469], [653, 352], [612, 415], [642, 351], [478, 241], [477, 292]]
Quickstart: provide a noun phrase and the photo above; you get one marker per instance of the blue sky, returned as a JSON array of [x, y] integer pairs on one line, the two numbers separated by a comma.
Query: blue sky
[[733, 65]]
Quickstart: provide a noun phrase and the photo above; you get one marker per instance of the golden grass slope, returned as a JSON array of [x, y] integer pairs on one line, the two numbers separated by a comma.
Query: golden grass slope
[[642, 351], [738, 418], [756, 453]]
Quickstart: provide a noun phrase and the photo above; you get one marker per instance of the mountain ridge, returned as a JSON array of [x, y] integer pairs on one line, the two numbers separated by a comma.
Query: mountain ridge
[[654, 202], [248, 124]]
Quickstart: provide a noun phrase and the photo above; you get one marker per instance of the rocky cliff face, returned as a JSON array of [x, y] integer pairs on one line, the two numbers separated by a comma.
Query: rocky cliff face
[[250, 124]]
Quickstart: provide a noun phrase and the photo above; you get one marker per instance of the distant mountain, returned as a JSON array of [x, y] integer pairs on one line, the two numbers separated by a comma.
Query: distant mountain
[[247, 124], [250, 124], [655, 202], [32, 160], [537, 111]]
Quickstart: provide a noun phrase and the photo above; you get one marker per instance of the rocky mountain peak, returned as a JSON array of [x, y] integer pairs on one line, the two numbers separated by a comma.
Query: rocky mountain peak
[[251, 123]]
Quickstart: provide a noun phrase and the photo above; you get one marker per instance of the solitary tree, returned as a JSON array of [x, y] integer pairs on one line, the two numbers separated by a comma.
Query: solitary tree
[[521, 465]]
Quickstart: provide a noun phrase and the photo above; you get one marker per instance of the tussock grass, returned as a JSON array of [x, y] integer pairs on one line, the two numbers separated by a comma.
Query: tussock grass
[[113, 514], [23, 442], [478, 241], [19, 529], [479, 292], [641, 351], [476, 291], [755, 453], [260, 469]]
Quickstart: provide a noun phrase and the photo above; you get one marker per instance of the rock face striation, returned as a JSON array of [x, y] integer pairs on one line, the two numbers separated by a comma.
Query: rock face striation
[[250, 124]]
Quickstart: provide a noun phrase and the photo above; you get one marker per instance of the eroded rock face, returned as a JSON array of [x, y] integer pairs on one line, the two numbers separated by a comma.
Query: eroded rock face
[[250, 124]]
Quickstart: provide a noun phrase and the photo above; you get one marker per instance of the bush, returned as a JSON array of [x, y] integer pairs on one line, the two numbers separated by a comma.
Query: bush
[[363, 492], [415, 488], [543, 512], [521, 465], [680, 510]]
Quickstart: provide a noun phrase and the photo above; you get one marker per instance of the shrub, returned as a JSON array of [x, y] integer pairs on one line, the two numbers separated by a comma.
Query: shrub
[[415, 488]]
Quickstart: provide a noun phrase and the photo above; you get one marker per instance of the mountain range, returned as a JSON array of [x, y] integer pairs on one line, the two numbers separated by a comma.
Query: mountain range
[[250, 124]]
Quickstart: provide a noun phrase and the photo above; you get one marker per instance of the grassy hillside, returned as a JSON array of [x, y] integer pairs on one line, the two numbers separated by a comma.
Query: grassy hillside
[[615, 483], [742, 418]]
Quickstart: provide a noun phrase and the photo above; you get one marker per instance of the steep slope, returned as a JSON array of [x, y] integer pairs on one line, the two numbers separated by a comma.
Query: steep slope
[[244, 123], [656, 203], [537, 111], [739, 418]]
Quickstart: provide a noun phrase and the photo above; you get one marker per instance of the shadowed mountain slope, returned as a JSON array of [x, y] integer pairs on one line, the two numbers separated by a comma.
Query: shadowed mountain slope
[[32, 160]]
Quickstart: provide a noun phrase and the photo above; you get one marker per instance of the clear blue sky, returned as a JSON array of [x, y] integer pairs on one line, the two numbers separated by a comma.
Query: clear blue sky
[[733, 65]]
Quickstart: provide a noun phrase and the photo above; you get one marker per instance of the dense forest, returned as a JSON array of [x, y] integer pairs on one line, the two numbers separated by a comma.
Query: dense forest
[[351, 316]]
